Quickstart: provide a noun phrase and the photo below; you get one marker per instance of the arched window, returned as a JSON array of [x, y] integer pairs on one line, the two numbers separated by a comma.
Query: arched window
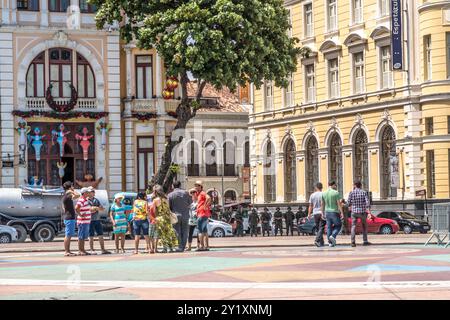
[[228, 159], [230, 196], [290, 171], [86, 80], [361, 160], [60, 66], [193, 161], [312, 165], [211, 159], [36, 77], [335, 160], [60, 72], [269, 172], [389, 164]]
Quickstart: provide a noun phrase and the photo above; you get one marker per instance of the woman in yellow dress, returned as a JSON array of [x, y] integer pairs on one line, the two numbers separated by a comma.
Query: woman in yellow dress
[[165, 230]]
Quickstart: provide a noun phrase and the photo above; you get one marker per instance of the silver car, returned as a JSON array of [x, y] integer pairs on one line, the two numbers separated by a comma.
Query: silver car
[[7, 234], [217, 229]]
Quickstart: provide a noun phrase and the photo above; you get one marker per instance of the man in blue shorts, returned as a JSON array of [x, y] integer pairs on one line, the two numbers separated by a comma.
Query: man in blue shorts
[[96, 226], [69, 216]]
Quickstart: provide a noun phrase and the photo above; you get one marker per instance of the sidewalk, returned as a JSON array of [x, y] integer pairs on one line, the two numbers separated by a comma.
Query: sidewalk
[[227, 243]]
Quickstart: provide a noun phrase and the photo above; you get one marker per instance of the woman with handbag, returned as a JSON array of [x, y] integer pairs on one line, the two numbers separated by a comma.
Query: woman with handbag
[[164, 219]]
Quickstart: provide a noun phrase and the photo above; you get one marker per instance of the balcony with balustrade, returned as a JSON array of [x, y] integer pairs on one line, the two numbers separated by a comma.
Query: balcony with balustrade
[[40, 104]]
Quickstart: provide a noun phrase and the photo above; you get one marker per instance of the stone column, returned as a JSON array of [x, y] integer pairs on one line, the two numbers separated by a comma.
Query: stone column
[[114, 183], [160, 141], [347, 170], [128, 67], [7, 105], [43, 5], [13, 12], [412, 153]]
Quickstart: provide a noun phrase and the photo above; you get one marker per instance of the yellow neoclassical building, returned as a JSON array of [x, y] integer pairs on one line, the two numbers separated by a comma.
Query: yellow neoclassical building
[[347, 114]]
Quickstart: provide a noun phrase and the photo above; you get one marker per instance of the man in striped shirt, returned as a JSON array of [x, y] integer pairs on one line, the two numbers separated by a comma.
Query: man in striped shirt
[[83, 209]]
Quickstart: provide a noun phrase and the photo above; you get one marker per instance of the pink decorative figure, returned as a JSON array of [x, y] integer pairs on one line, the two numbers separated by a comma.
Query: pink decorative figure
[[84, 142], [61, 138]]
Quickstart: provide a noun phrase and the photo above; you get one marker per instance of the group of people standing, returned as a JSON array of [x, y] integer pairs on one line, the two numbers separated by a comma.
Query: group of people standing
[[327, 208], [266, 218], [169, 219]]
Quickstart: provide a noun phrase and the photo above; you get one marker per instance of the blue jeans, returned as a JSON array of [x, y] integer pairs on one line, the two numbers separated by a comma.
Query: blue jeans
[[334, 224]]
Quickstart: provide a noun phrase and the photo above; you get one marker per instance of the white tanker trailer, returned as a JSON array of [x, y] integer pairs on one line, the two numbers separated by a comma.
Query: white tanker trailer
[[38, 212]]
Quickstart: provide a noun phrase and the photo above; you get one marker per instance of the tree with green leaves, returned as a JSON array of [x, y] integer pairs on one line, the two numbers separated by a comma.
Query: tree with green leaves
[[226, 43]]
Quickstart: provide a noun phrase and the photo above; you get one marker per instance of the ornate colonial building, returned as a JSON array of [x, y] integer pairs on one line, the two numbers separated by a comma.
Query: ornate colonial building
[[77, 104], [149, 121], [346, 114], [60, 82]]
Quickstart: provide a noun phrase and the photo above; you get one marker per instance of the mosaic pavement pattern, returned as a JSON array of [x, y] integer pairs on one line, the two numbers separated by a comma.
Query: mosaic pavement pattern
[[376, 272]]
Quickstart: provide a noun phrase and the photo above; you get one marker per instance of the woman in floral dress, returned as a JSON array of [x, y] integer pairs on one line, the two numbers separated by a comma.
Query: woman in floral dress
[[118, 218], [165, 230]]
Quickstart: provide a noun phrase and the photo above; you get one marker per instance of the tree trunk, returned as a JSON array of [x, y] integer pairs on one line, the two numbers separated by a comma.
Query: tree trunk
[[185, 112]]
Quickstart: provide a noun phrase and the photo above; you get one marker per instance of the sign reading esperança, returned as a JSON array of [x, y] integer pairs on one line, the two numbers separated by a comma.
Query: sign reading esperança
[[396, 35]]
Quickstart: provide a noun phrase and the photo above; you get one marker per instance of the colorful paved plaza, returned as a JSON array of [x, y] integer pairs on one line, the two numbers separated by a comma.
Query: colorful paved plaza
[[381, 271]]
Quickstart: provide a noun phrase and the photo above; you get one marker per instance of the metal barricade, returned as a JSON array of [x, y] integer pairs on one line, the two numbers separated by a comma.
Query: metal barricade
[[440, 224]]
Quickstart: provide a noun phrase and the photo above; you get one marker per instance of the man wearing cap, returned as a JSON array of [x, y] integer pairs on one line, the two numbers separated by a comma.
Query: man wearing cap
[[96, 226], [83, 209], [203, 214]]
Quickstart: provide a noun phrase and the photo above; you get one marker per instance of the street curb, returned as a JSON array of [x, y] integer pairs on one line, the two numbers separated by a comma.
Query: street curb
[[233, 247]]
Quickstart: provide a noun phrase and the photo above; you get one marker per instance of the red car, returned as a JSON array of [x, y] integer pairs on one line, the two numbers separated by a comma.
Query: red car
[[374, 225]]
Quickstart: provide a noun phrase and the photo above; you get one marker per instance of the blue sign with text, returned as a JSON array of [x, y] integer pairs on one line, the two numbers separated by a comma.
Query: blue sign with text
[[396, 35]]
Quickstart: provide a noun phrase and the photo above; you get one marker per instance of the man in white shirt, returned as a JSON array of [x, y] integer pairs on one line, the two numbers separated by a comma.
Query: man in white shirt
[[315, 209]]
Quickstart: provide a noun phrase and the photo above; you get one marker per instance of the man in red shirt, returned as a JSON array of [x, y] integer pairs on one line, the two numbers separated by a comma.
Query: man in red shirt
[[203, 214]]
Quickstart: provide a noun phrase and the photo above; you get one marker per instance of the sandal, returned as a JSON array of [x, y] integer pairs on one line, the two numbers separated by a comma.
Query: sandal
[[135, 252], [70, 254]]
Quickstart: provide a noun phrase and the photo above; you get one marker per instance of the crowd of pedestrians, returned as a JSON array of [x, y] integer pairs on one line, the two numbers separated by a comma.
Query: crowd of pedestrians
[[327, 209], [161, 219], [170, 220]]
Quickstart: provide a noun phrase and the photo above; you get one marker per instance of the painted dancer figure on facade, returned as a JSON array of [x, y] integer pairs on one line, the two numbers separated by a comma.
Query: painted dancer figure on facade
[[61, 168], [36, 142], [23, 130], [84, 142], [61, 138], [103, 128]]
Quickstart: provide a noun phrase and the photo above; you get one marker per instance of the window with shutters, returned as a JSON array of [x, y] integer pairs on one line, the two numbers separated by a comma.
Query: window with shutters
[[333, 78], [29, 5], [268, 96], [310, 81], [86, 7], [144, 77], [308, 13], [58, 5], [357, 11], [146, 161], [332, 15], [289, 92], [384, 7], [358, 72], [385, 66], [429, 126], [427, 57]]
